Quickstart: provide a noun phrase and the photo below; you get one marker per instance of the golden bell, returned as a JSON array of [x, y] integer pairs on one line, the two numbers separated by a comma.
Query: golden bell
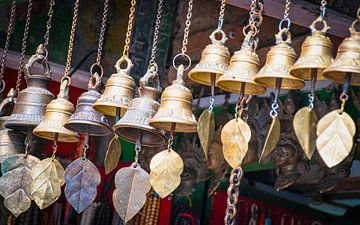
[[244, 65], [279, 60], [85, 119], [31, 102], [119, 90], [214, 60], [316, 53], [175, 108], [347, 59], [134, 125], [57, 113]]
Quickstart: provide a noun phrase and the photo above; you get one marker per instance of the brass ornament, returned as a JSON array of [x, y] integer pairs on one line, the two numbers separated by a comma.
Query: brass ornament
[[113, 154], [47, 179], [15, 182], [305, 121], [206, 130], [132, 184], [272, 138], [335, 132], [82, 178], [166, 168]]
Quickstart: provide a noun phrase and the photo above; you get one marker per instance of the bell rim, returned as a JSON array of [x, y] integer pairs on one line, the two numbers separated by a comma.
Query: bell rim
[[304, 73], [251, 88], [62, 137], [109, 109], [339, 76], [207, 81], [166, 124], [266, 80], [69, 125]]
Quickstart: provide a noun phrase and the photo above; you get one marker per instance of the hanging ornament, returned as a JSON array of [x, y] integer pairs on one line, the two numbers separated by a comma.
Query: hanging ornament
[[316, 55], [113, 154], [206, 130]]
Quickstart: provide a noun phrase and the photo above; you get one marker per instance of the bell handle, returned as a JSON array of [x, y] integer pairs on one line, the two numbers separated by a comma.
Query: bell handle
[[151, 74], [353, 25], [40, 56], [283, 36], [315, 30], [216, 41], [250, 41], [9, 101], [64, 87], [94, 82], [122, 60]]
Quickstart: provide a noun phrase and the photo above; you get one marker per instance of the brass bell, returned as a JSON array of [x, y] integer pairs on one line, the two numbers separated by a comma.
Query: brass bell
[[31, 102], [244, 65], [86, 120], [347, 60], [57, 113], [214, 60], [119, 90], [279, 60], [175, 108], [316, 53], [134, 125]]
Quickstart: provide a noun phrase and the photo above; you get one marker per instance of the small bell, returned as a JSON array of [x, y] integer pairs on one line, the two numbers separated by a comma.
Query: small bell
[[316, 53], [86, 120], [347, 60], [279, 60], [134, 125], [119, 90], [57, 113], [175, 107], [244, 65], [31, 102], [214, 60]]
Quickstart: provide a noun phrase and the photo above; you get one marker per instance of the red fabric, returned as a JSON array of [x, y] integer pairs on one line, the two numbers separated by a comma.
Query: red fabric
[[190, 217], [165, 211]]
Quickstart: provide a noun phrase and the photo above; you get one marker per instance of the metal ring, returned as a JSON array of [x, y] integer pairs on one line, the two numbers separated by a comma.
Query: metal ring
[[64, 78], [123, 59], [250, 28], [287, 20], [344, 96], [100, 67], [2, 86], [182, 55]]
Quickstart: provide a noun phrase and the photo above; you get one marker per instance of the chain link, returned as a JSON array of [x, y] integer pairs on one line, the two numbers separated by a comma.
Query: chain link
[[48, 24], [323, 8], [9, 32], [187, 27], [233, 192], [129, 28], [24, 45], [102, 32], [156, 35], [287, 9], [221, 14]]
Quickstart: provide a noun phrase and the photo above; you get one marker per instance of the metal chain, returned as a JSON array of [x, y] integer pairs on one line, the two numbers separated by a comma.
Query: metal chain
[[48, 24], [9, 32], [24, 45], [156, 35], [323, 8], [286, 17], [221, 14], [102, 32], [255, 21], [233, 192], [71, 41], [252, 11], [187, 27], [129, 28], [287, 9], [85, 147]]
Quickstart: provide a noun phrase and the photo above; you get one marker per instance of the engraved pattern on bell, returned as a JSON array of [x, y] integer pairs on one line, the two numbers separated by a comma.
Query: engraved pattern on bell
[[11, 141]]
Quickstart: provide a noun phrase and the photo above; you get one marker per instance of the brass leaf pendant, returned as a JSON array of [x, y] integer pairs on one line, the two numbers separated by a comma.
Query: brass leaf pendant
[[272, 138], [206, 130], [112, 155], [15, 182], [304, 123], [235, 137], [335, 132], [166, 168], [131, 186], [82, 178], [48, 177]]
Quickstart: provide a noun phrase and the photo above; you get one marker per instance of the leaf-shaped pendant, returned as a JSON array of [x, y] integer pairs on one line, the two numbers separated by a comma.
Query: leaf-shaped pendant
[[166, 168], [48, 177], [272, 138], [82, 178], [132, 184], [15, 182], [206, 130], [112, 155], [304, 123], [335, 137], [235, 137]]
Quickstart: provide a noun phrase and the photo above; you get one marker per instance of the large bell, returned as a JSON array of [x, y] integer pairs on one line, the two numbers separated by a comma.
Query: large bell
[[134, 125], [86, 120], [119, 90], [31, 102], [279, 60], [244, 65], [347, 59], [316, 53], [175, 108], [57, 113], [214, 60]]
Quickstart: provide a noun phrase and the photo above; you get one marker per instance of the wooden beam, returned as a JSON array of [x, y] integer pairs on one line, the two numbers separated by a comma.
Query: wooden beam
[[302, 13]]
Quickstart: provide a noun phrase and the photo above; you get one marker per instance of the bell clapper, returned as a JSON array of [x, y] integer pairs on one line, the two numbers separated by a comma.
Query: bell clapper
[[138, 147], [344, 96], [28, 142], [86, 146], [54, 146], [313, 85]]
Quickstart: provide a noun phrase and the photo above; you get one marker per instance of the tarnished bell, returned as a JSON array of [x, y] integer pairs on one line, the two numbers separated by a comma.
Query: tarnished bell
[[214, 60], [316, 53], [279, 60], [243, 67], [31, 102], [57, 113], [119, 90], [175, 107], [347, 59], [134, 125], [86, 120]]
